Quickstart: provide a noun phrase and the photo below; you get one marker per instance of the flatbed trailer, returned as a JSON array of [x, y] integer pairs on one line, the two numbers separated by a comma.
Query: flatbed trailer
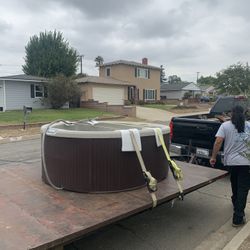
[[35, 216]]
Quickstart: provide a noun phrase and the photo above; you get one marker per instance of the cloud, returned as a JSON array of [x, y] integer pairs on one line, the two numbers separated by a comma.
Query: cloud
[[4, 26], [185, 36]]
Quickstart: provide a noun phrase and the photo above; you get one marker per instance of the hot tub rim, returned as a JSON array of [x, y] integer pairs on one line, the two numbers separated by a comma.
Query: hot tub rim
[[64, 133]]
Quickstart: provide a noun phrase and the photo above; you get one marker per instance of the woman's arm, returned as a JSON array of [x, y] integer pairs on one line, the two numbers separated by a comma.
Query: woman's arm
[[217, 145]]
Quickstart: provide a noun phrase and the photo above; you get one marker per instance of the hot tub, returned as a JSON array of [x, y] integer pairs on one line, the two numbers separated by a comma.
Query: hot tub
[[85, 157]]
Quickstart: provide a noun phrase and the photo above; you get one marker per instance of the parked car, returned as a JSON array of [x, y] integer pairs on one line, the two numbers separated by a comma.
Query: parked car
[[204, 99]]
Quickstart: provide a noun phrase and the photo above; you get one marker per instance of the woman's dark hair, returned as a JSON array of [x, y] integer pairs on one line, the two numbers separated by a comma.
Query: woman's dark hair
[[238, 118]]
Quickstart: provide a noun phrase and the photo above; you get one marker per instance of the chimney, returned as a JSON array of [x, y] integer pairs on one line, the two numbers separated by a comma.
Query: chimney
[[145, 61]]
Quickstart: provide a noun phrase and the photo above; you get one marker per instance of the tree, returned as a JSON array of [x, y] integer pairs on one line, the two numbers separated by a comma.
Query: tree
[[99, 61], [174, 79], [163, 75], [48, 55], [234, 80], [60, 90], [208, 80]]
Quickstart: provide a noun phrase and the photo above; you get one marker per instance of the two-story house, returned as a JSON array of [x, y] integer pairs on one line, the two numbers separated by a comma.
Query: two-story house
[[145, 78], [122, 80]]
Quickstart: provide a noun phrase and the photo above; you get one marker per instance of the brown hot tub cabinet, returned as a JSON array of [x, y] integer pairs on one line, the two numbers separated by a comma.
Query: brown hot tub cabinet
[[87, 158]]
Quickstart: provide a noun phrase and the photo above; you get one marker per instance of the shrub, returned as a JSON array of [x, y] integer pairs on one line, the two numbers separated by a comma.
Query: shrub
[[187, 95], [60, 90]]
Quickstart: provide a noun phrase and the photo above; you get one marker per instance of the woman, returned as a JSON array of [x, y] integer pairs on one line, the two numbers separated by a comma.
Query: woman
[[234, 134]]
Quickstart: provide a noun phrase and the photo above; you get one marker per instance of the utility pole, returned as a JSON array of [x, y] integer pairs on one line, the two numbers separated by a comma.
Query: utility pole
[[80, 59], [197, 77]]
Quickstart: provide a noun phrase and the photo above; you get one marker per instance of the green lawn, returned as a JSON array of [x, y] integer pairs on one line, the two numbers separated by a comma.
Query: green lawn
[[49, 115], [160, 106]]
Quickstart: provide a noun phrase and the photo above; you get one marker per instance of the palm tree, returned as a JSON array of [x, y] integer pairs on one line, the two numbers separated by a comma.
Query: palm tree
[[99, 61]]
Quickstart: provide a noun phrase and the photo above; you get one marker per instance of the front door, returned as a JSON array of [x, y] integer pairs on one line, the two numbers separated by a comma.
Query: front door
[[131, 94]]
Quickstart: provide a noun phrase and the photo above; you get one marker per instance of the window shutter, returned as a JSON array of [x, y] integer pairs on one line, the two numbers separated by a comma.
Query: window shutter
[[45, 91], [148, 73], [144, 94], [32, 91], [138, 94], [135, 72], [156, 94]]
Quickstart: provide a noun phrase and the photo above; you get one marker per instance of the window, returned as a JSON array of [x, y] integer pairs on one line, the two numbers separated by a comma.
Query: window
[[149, 94], [108, 71], [142, 73], [39, 91]]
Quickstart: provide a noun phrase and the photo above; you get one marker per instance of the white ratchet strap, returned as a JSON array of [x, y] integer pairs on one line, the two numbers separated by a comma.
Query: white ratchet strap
[[148, 177]]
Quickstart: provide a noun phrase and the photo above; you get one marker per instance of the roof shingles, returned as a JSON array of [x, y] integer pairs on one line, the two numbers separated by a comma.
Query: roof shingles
[[131, 63], [102, 80]]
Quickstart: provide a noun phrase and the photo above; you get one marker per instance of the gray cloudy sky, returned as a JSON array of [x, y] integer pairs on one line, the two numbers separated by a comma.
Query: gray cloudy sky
[[186, 36]]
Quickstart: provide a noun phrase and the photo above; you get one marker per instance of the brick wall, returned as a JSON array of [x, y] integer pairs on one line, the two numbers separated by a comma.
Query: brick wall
[[117, 109]]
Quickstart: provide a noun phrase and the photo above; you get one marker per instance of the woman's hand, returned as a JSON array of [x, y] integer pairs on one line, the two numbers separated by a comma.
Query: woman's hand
[[212, 161]]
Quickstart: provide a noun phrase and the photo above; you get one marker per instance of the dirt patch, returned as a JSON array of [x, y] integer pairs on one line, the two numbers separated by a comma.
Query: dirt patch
[[17, 132], [192, 108]]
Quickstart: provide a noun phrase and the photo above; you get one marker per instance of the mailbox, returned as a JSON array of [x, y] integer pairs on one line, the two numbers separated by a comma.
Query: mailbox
[[26, 111]]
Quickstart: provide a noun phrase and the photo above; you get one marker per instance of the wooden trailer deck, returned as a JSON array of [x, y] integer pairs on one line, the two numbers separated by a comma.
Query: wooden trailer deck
[[35, 216]]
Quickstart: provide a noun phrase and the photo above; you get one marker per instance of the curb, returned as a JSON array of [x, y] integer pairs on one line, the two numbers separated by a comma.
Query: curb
[[19, 138], [239, 238]]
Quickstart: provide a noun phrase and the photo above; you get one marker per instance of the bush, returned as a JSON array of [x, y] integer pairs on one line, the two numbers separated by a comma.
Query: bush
[[160, 102], [141, 102], [197, 96], [127, 102], [187, 95], [60, 90]]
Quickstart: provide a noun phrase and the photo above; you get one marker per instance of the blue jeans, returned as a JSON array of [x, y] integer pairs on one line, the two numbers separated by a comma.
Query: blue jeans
[[240, 183]]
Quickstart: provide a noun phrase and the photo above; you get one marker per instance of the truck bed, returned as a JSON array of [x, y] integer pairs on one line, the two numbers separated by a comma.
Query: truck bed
[[195, 132], [35, 216]]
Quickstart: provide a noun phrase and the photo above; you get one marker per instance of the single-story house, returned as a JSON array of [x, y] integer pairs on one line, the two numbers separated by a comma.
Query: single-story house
[[208, 90], [21, 90], [177, 91], [104, 89]]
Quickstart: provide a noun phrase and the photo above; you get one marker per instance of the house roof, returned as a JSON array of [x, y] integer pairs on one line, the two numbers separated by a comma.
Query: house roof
[[23, 77], [206, 87], [174, 87], [130, 63], [102, 80]]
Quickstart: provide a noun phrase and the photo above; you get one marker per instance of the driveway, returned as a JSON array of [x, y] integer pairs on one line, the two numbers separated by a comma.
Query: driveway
[[153, 114]]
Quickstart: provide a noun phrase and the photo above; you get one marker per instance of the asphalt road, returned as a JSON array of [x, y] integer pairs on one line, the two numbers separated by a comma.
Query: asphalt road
[[201, 221]]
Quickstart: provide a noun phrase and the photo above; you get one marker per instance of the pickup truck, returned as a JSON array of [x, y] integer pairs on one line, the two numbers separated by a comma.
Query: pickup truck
[[192, 137]]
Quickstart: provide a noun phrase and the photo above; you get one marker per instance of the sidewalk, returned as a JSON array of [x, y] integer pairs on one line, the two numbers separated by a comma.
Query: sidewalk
[[241, 241]]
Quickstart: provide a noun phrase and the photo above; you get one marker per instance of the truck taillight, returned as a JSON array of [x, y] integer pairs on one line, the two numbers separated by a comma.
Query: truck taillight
[[241, 97], [171, 126]]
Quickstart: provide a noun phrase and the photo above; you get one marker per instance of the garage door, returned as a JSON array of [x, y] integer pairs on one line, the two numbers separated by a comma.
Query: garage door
[[113, 96]]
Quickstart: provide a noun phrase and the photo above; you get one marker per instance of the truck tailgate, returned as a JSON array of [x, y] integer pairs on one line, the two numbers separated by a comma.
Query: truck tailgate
[[195, 132]]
